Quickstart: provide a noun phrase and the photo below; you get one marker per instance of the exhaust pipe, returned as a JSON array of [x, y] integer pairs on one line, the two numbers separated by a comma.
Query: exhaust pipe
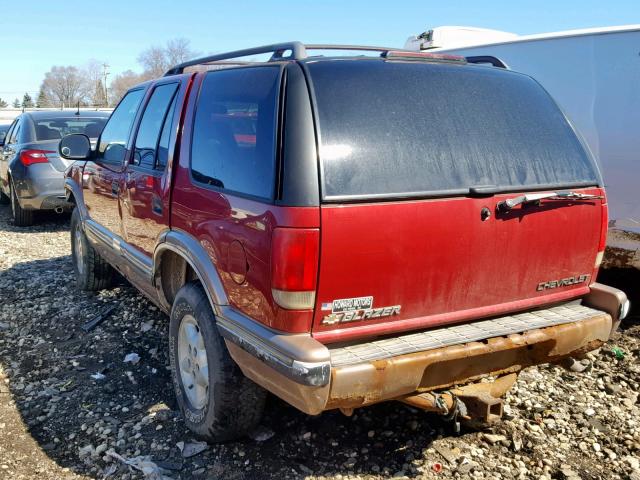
[[58, 209]]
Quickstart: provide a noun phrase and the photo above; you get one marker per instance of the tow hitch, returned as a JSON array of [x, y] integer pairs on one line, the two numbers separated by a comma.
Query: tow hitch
[[476, 401]]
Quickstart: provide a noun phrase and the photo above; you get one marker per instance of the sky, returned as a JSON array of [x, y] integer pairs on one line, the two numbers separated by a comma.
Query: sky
[[38, 34]]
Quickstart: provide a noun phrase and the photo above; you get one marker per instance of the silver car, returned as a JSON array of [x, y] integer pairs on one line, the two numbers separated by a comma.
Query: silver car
[[31, 171]]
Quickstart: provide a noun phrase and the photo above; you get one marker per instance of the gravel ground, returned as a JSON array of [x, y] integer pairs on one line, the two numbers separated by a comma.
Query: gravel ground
[[68, 399]]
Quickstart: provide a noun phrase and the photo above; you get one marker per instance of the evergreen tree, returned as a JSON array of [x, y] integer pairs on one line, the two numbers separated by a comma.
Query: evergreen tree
[[99, 99], [16, 103], [27, 101], [3, 104], [42, 101]]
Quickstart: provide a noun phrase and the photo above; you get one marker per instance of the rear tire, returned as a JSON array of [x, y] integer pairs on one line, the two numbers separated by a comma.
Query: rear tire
[[92, 271], [218, 402], [21, 217]]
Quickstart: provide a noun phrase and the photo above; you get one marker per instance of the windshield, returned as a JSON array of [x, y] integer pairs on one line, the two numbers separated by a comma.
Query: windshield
[[409, 129], [56, 128], [3, 131]]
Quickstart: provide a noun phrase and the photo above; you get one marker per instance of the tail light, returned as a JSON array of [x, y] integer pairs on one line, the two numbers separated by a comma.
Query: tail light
[[603, 233], [294, 267], [29, 157]]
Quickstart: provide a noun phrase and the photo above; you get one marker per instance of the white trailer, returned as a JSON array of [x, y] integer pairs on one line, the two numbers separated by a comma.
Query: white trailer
[[594, 75]]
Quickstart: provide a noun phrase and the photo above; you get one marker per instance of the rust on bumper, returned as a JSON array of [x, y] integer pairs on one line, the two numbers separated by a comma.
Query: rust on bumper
[[365, 384], [398, 377]]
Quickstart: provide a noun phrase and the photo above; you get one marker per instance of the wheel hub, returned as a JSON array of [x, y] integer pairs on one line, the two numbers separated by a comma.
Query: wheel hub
[[193, 363]]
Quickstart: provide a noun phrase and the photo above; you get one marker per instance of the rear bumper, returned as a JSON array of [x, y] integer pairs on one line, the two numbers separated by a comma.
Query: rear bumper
[[40, 187], [313, 377]]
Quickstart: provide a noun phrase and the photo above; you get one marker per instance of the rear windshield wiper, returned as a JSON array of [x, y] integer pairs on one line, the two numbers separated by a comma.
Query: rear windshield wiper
[[509, 203]]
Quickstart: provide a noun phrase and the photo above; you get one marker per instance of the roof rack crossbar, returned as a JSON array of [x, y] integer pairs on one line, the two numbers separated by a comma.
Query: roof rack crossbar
[[298, 52], [365, 48], [277, 50]]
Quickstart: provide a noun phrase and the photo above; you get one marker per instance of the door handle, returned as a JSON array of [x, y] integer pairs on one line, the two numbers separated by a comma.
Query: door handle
[[115, 188]]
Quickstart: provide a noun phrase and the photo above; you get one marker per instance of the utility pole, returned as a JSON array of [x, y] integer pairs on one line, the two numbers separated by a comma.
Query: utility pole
[[105, 73]]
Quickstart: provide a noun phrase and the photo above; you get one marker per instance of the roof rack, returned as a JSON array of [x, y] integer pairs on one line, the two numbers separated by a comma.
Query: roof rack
[[496, 62], [298, 52]]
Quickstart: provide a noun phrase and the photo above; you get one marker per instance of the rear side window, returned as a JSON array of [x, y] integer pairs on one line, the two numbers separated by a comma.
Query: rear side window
[[9, 133], [153, 120], [163, 145], [408, 129], [15, 132], [233, 144], [114, 138], [3, 132]]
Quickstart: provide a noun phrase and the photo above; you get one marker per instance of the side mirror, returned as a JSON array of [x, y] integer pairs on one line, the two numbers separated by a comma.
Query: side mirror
[[75, 147]]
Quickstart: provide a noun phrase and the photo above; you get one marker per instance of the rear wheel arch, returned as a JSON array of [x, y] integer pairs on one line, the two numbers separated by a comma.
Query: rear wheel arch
[[180, 259], [74, 195], [171, 273]]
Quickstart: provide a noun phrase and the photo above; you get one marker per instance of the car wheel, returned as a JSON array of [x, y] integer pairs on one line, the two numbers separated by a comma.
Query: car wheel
[[92, 271], [218, 402], [21, 217]]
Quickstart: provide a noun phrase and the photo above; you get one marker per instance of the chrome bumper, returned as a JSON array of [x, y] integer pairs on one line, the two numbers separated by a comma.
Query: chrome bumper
[[297, 356]]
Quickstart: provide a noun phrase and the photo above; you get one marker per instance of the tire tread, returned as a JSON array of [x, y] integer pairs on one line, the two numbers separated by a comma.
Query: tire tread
[[21, 217], [238, 402], [98, 273]]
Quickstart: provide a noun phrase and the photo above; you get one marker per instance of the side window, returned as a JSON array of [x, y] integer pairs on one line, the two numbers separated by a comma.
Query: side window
[[153, 119], [13, 138], [165, 137], [9, 133], [113, 140], [234, 130]]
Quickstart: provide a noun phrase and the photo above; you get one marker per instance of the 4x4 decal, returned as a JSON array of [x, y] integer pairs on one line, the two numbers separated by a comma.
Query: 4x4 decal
[[355, 309]]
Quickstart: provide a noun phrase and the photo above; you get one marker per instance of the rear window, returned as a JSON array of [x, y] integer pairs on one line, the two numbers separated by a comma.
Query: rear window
[[56, 128], [233, 144], [409, 129]]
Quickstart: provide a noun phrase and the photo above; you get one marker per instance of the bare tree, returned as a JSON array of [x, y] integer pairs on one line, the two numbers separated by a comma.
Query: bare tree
[[65, 86], [178, 51], [121, 83], [157, 60], [153, 62]]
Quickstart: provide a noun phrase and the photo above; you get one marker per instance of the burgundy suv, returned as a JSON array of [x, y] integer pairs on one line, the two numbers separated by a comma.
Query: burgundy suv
[[348, 229]]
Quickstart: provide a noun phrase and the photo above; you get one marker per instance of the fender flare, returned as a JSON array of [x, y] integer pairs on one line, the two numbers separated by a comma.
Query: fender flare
[[192, 251], [72, 188]]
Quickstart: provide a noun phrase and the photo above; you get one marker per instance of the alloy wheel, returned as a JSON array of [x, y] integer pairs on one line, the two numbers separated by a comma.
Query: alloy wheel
[[194, 366]]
